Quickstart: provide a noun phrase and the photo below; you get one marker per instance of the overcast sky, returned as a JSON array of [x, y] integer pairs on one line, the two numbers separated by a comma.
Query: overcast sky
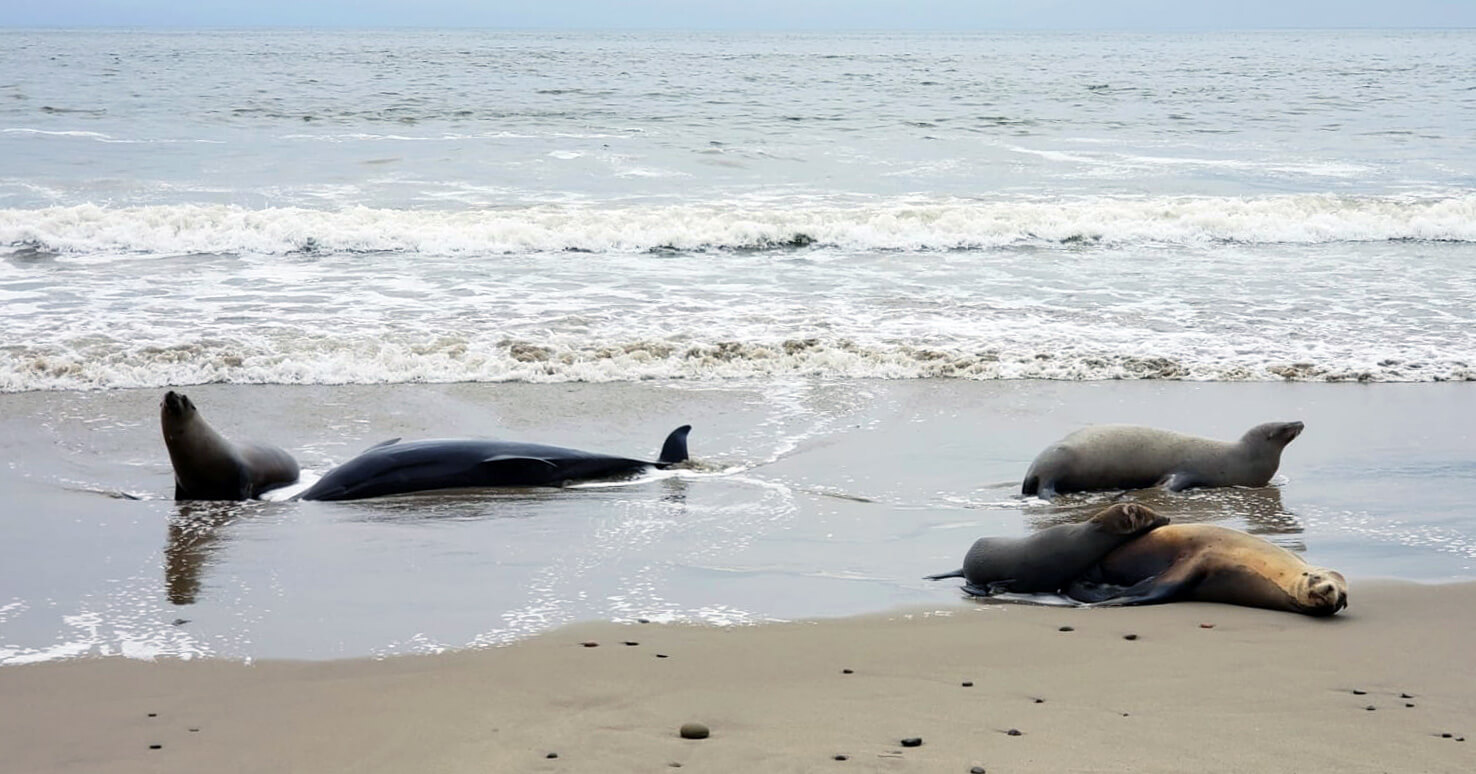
[[745, 14]]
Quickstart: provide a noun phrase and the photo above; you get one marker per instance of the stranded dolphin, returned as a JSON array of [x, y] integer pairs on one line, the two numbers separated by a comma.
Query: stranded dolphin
[[396, 467]]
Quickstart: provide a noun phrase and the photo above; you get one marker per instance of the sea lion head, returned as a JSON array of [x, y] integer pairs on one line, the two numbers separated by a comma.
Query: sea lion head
[[1129, 519], [1277, 434], [176, 405], [1320, 591]]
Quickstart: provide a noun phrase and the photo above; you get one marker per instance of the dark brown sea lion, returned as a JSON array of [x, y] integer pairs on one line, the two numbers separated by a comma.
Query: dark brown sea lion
[[1049, 560], [1132, 457], [1206, 563], [209, 467]]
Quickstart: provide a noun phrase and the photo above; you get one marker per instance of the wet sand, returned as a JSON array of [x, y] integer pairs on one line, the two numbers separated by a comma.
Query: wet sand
[[819, 499], [1374, 689]]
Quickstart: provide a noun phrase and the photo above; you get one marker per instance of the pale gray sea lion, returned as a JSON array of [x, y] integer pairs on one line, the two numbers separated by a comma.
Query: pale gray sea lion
[[396, 467], [1208, 563], [209, 467], [1049, 560], [1105, 457]]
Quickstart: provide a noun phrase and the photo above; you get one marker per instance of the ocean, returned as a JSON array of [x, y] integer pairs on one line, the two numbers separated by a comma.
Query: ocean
[[817, 248]]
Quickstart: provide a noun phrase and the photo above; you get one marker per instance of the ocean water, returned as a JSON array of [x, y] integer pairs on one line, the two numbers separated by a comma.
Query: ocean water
[[384, 207], [877, 272]]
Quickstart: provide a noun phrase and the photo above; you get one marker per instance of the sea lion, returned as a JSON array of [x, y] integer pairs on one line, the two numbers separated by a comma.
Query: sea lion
[[1052, 558], [1132, 457], [396, 467], [209, 467], [1208, 563]]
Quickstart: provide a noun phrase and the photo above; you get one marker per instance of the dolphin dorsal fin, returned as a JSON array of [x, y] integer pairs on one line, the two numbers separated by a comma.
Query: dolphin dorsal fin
[[382, 444]]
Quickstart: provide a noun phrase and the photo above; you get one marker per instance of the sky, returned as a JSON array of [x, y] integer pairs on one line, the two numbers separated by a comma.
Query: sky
[[746, 14]]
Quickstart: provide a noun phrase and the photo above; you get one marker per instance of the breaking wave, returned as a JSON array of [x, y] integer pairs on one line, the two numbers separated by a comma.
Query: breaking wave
[[952, 224]]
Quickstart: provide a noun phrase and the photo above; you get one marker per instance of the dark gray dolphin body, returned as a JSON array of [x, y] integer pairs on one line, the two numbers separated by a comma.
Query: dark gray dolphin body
[[1049, 560], [396, 467]]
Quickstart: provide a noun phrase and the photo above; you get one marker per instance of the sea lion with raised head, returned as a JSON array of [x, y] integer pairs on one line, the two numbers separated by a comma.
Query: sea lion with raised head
[[396, 467], [209, 467], [1104, 457], [1208, 563], [1049, 560]]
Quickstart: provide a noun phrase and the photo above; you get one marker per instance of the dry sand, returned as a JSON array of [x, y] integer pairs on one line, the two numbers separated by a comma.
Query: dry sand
[[1373, 689]]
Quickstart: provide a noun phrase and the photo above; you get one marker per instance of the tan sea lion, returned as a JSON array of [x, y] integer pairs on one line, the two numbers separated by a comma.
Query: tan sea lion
[[1207, 563], [1133, 457], [1048, 560], [209, 467]]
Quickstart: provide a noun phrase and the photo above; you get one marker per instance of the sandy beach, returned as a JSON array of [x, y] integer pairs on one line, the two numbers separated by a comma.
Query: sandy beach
[[1187, 687]]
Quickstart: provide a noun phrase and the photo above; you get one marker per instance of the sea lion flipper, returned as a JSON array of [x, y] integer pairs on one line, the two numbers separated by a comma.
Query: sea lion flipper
[[989, 589], [959, 573], [675, 448], [1159, 588], [1178, 481]]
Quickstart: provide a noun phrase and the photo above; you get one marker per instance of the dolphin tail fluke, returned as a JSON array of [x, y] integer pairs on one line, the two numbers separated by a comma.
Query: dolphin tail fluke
[[959, 573], [675, 448]]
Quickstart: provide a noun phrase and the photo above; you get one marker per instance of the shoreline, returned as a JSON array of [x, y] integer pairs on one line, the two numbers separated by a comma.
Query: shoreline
[[1256, 690]]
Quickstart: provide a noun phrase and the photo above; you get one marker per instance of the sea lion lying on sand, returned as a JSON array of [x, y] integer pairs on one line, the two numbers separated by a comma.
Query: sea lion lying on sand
[[1207, 563], [1049, 560], [1132, 457], [209, 467], [396, 467]]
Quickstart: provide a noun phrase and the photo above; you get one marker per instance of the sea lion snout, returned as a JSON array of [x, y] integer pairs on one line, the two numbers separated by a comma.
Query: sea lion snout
[[174, 402], [1327, 591]]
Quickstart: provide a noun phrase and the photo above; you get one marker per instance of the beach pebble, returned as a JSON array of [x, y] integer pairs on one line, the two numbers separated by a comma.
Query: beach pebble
[[1357, 692], [694, 731], [848, 671], [194, 730], [631, 644], [1409, 704], [552, 755], [912, 741], [842, 757], [181, 621], [1013, 732], [977, 770], [1130, 636], [156, 747], [1405, 696], [590, 644], [153, 714], [660, 655], [643, 620], [967, 683], [1206, 626], [1370, 708], [1066, 629], [1040, 701], [1446, 735]]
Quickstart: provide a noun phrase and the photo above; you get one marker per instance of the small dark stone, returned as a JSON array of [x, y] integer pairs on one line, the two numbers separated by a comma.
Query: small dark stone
[[156, 747], [181, 621], [1446, 736], [1370, 708], [1460, 739], [643, 620], [1013, 732], [912, 741], [977, 770], [590, 644], [552, 755], [694, 731], [660, 655], [1206, 626], [1408, 704], [1405, 696], [1066, 629], [1130, 636], [842, 757], [848, 671], [153, 714], [194, 730], [967, 684], [1040, 701], [1124, 714], [631, 644], [674, 765], [1357, 692]]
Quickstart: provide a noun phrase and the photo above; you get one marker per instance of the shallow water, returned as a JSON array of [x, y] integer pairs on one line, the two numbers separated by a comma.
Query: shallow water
[[807, 498]]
